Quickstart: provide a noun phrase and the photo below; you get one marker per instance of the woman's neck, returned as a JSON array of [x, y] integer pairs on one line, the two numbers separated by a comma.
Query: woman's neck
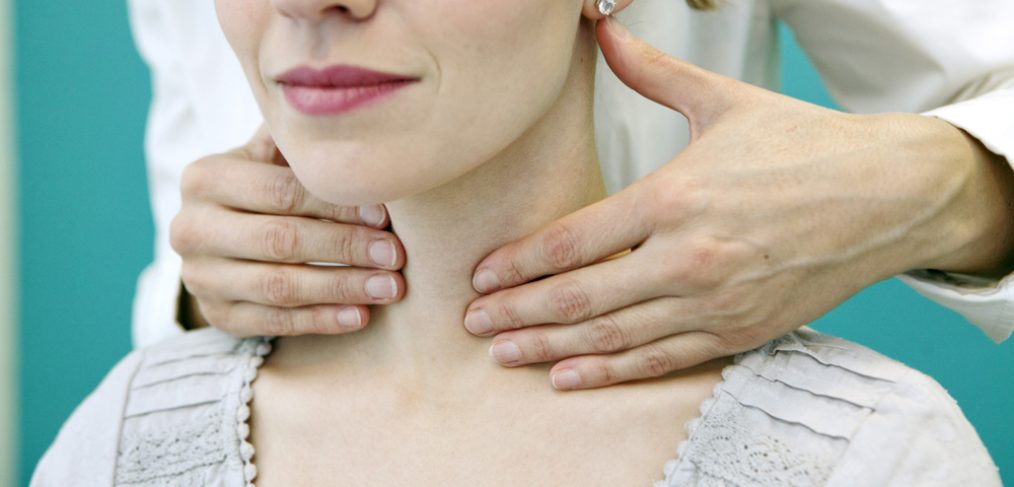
[[548, 172]]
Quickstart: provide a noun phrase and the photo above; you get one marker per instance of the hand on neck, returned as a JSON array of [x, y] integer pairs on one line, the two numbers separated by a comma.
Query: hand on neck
[[550, 171]]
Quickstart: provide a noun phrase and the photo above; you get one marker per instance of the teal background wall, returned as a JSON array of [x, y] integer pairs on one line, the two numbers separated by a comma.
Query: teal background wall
[[86, 233], [86, 229]]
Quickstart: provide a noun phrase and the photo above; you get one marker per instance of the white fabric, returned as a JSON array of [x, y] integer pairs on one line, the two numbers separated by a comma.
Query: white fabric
[[874, 55], [803, 410]]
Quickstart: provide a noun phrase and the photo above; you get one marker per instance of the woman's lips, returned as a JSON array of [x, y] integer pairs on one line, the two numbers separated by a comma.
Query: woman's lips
[[337, 89]]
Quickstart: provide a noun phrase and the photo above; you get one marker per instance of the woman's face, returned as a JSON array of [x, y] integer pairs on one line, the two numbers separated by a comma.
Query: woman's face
[[373, 101]]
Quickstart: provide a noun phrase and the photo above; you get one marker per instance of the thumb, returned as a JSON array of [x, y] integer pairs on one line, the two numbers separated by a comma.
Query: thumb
[[262, 148], [698, 94]]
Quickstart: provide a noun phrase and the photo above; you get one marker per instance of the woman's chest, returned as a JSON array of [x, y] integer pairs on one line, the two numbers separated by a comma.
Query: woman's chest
[[617, 438], [542, 449]]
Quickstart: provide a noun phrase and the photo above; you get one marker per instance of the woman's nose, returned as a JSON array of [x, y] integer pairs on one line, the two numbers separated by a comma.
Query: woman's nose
[[319, 9]]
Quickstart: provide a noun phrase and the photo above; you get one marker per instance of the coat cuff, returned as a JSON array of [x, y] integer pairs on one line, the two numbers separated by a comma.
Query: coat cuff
[[987, 304]]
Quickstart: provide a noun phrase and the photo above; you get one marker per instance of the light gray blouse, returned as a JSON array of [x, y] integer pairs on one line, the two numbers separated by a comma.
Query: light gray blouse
[[805, 409]]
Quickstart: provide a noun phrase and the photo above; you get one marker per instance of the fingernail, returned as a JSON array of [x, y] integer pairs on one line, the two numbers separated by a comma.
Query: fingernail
[[350, 318], [382, 253], [566, 379], [372, 215], [381, 287], [505, 352], [478, 322], [485, 281]]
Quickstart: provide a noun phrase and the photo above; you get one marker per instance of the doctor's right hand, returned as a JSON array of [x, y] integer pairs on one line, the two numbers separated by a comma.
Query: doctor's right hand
[[248, 232]]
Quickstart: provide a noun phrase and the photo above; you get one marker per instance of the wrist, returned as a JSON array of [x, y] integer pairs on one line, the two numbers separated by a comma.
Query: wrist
[[975, 227]]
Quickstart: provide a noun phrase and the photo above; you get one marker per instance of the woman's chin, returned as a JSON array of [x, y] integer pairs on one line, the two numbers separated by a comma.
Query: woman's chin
[[347, 175], [351, 194], [357, 189]]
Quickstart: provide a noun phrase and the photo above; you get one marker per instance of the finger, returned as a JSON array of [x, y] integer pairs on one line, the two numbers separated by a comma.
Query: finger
[[698, 94], [297, 240], [654, 359], [261, 148], [289, 286], [587, 236], [612, 332], [261, 188], [251, 319], [572, 297]]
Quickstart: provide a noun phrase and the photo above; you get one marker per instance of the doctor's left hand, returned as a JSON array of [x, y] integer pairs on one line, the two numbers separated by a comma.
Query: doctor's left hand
[[776, 212]]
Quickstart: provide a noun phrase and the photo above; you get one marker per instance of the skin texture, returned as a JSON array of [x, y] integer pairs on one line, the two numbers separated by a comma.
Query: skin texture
[[777, 212], [415, 370], [246, 218], [806, 207], [246, 230]]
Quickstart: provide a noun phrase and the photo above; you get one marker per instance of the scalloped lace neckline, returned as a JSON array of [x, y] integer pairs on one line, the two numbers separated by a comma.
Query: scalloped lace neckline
[[262, 348], [703, 409]]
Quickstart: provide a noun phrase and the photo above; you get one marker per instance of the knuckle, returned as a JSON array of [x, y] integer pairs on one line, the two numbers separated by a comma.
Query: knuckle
[[511, 316], [571, 302], [344, 290], [601, 370], [286, 194], [279, 321], [194, 178], [700, 266], [541, 348], [340, 213], [281, 241], [560, 248], [345, 242], [513, 272], [310, 321], [677, 199], [606, 335], [655, 362], [183, 235], [279, 288]]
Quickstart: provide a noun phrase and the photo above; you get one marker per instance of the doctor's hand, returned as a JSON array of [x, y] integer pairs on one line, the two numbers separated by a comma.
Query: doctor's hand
[[777, 212], [247, 231]]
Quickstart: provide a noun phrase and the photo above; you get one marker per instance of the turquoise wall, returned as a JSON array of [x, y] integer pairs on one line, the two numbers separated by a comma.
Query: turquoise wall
[[87, 232]]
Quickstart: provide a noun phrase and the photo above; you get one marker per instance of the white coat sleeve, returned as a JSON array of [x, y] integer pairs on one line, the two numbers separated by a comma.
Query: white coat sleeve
[[950, 59], [155, 302], [201, 105]]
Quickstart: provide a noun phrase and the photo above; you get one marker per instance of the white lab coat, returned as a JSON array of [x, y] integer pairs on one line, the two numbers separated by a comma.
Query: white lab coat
[[952, 59]]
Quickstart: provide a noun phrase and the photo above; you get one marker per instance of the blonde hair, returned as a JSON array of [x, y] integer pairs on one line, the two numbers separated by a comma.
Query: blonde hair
[[703, 4]]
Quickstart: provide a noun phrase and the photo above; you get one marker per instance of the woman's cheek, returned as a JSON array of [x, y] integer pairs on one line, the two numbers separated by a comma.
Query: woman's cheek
[[243, 23]]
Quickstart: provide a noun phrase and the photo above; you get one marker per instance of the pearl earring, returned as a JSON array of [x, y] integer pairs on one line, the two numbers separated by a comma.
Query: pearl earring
[[605, 6]]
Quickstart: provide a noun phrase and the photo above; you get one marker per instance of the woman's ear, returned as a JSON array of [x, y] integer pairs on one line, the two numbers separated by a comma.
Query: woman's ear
[[592, 11]]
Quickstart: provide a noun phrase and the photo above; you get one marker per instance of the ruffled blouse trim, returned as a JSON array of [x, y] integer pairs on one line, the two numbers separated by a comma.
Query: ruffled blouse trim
[[690, 426], [262, 347]]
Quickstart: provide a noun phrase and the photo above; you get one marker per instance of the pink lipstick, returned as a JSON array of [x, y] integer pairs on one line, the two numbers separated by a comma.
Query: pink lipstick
[[337, 89]]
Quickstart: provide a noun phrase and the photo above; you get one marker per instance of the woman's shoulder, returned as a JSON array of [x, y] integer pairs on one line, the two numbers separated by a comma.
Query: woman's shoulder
[[811, 409], [174, 409]]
